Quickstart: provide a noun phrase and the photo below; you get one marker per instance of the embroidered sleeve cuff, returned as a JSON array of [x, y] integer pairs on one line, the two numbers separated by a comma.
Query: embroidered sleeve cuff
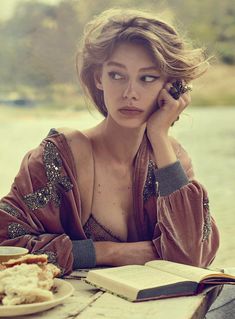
[[169, 179], [83, 254]]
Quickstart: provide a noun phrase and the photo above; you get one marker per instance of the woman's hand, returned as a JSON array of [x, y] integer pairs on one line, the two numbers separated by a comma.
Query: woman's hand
[[167, 113], [161, 120]]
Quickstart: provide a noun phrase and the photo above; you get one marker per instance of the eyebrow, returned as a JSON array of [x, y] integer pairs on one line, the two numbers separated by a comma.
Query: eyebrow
[[149, 68]]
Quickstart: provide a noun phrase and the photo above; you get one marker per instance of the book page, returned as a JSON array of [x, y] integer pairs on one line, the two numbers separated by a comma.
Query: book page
[[185, 271], [229, 271], [135, 276]]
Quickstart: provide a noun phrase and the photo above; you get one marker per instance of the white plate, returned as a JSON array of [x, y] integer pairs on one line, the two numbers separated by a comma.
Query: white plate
[[64, 290], [11, 252]]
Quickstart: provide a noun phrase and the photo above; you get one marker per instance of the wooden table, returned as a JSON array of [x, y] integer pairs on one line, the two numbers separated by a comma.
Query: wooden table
[[90, 303]]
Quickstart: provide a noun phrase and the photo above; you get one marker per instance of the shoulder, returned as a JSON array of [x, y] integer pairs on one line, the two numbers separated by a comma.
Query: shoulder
[[80, 146], [77, 140]]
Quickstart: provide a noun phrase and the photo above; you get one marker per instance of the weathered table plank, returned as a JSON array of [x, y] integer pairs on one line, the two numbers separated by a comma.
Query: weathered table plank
[[112, 307], [90, 303]]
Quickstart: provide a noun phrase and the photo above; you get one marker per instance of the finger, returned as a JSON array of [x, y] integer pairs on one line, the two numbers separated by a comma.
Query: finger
[[182, 104], [186, 99], [165, 98]]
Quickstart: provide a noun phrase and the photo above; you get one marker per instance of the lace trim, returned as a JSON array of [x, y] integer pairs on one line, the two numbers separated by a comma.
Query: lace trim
[[97, 232], [52, 191]]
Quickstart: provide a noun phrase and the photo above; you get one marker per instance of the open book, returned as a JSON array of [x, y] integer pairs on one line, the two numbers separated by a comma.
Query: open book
[[156, 279]]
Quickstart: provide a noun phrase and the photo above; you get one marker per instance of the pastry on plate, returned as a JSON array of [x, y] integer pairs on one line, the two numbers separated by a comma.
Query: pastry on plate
[[27, 279]]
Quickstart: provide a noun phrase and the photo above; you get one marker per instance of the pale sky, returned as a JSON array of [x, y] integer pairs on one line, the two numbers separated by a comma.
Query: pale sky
[[7, 6]]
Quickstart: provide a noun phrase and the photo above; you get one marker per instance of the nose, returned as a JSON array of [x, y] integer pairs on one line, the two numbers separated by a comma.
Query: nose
[[130, 92]]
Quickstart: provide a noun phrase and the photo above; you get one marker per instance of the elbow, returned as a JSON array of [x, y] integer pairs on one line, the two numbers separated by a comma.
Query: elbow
[[197, 251], [198, 255], [202, 254]]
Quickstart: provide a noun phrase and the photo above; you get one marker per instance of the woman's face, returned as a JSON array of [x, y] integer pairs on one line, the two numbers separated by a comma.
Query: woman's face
[[130, 82]]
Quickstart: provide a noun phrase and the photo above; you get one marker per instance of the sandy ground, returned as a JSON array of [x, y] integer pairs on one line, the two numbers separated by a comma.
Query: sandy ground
[[207, 134]]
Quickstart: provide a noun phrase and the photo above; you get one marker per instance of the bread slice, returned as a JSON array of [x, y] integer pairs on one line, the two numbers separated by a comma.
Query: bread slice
[[27, 259]]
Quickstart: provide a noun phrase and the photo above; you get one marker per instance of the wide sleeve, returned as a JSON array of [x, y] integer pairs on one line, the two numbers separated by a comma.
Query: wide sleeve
[[42, 212], [185, 231]]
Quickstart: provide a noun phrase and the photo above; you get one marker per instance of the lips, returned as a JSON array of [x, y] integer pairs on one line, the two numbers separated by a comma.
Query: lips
[[127, 110]]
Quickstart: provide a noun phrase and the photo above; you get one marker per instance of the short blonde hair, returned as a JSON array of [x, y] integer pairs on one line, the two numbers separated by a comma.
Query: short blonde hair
[[173, 55]]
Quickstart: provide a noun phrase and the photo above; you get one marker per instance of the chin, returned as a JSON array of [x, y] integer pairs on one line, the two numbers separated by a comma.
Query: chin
[[131, 124], [128, 123]]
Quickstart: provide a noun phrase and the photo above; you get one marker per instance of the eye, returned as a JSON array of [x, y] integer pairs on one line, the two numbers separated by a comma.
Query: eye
[[115, 75], [149, 78]]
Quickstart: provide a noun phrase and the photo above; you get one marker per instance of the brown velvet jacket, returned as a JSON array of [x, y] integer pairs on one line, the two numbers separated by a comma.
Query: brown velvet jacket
[[43, 213]]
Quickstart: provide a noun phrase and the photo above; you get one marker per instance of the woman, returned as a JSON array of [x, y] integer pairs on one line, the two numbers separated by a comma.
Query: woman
[[124, 191]]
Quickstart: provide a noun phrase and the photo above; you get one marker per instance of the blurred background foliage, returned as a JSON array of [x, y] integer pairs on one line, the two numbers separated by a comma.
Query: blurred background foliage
[[39, 43]]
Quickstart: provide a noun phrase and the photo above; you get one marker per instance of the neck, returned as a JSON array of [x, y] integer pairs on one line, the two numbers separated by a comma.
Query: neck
[[120, 143]]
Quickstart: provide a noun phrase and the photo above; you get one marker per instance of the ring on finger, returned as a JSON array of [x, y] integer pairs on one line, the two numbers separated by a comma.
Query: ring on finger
[[178, 88]]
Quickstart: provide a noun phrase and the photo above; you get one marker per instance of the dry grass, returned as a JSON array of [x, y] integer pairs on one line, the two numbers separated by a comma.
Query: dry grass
[[216, 87]]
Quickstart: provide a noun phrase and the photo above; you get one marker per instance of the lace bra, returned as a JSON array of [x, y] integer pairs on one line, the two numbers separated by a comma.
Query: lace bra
[[97, 232]]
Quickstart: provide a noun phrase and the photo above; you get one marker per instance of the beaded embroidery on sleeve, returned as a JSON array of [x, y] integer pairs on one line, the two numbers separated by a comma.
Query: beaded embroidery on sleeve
[[9, 209], [14, 229], [149, 187], [207, 222], [53, 166]]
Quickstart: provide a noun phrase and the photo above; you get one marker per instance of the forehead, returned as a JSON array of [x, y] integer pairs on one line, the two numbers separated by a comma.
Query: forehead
[[132, 54]]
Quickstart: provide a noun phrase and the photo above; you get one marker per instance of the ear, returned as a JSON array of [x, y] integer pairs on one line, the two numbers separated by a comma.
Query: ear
[[97, 78]]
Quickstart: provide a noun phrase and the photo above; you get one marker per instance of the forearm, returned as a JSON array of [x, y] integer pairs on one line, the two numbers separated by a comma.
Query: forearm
[[160, 122], [119, 254], [105, 252], [169, 175], [163, 151]]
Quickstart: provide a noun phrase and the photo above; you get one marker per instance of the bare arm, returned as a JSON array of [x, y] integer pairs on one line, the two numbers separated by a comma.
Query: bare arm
[[120, 254], [160, 122]]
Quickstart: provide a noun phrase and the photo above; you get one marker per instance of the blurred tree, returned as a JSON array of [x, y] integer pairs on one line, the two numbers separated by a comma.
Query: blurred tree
[[39, 42], [210, 23]]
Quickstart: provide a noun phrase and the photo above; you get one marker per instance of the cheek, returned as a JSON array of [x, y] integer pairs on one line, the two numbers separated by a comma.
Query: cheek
[[112, 94], [152, 99], [153, 95], [109, 87]]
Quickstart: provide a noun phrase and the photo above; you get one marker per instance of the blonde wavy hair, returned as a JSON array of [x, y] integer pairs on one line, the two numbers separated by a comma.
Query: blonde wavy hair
[[173, 55]]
